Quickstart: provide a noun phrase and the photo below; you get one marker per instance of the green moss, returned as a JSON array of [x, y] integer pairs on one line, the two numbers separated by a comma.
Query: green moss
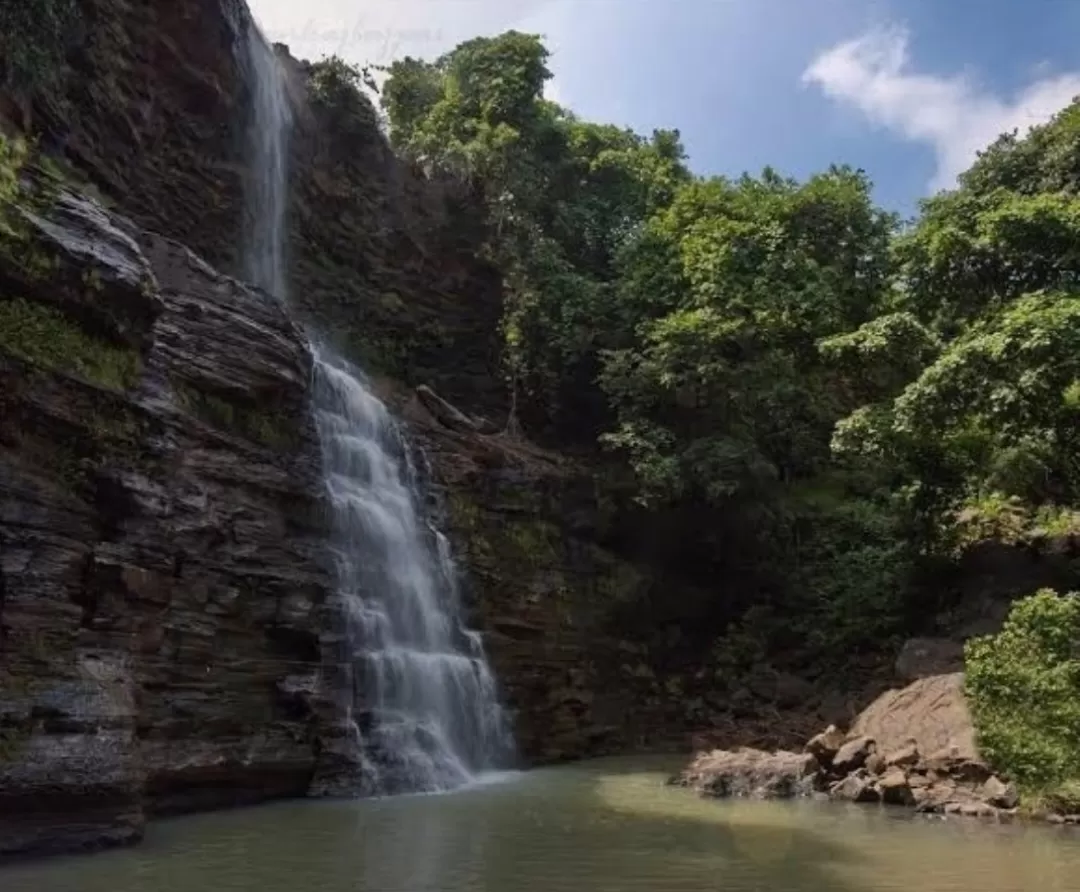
[[12, 743], [44, 336], [464, 513], [533, 542], [271, 429]]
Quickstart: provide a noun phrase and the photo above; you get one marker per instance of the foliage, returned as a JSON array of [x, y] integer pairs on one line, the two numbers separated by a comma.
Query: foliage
[[852, 567], [562, 197], [772, 355], [1023, 685], [13, 158], [45, 336], [267, 427], [34, 35], [722, 389], [335, 87], [994, 413]]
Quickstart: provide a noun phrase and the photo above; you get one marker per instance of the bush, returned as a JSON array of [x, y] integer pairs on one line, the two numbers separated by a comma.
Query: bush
[[1023, 685]]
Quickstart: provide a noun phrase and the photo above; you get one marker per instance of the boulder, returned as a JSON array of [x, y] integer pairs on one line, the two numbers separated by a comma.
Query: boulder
[[857, 787], [895, 789], [875, 764], [931, 713], [753, 774], [1000, 794], [826, 745], [853, 754]]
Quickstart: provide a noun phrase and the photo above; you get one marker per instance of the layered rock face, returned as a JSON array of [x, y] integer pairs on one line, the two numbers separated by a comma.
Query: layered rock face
[[161, 556]]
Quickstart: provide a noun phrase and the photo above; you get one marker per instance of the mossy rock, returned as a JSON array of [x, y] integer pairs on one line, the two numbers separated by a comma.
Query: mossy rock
[[274, 430], [46, 337]]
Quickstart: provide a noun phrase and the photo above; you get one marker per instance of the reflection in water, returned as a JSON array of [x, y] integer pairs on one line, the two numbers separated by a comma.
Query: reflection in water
[[609, 826]]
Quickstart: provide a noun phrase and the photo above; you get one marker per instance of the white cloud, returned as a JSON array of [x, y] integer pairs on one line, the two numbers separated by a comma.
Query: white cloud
[[951, 114]]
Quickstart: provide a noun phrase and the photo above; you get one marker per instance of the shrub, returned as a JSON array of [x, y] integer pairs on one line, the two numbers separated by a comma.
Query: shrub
[[1023, 685]]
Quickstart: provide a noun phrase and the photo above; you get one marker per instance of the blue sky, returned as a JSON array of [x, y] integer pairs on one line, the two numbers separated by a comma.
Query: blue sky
[[906, 89]]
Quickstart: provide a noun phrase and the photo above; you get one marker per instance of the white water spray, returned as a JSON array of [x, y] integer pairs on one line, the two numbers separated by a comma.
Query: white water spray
[[417, 688]]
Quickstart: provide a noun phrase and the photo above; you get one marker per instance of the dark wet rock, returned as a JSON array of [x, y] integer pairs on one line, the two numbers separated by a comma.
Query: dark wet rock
[[894, 788]]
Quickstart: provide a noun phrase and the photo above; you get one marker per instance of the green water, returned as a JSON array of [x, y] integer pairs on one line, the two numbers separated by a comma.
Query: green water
[[609, 826]]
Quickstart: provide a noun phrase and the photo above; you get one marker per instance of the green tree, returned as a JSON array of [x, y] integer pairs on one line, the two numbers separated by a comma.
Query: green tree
[[562, 196], [723, 387]]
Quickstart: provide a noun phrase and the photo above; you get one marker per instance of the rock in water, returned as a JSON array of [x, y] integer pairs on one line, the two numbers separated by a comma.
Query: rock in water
[[857, 787], [894, 788], [1000, 794], [752, 774]]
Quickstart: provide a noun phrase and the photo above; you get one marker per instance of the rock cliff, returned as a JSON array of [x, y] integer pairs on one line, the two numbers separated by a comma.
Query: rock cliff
[[161, 568]]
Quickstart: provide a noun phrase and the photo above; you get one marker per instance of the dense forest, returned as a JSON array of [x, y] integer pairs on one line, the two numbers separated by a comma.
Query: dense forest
[[846, 399]]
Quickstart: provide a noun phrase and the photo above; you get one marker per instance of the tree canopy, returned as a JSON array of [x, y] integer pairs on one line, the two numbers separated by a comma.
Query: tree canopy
[[778, 351]]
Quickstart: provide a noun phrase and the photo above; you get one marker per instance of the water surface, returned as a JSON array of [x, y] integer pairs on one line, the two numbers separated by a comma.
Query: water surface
[[609, 826]]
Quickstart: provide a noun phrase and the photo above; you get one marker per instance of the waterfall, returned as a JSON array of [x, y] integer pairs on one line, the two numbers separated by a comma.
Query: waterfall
[[416, 688], [425, 703], [268, 146]]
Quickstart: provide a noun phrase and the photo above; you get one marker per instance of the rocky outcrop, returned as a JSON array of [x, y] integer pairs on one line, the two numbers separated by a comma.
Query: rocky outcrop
[[750, 773], [913, 747], [161, 568]]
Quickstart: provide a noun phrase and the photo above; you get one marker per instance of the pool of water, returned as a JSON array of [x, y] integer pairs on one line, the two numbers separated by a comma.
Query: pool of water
[[607, 826]]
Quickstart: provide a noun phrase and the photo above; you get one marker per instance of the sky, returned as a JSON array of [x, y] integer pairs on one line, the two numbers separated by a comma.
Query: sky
[[908, 90]]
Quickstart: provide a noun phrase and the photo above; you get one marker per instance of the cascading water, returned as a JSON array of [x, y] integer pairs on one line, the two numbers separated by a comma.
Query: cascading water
[[425, 706], [421, 701], [267, 189]]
